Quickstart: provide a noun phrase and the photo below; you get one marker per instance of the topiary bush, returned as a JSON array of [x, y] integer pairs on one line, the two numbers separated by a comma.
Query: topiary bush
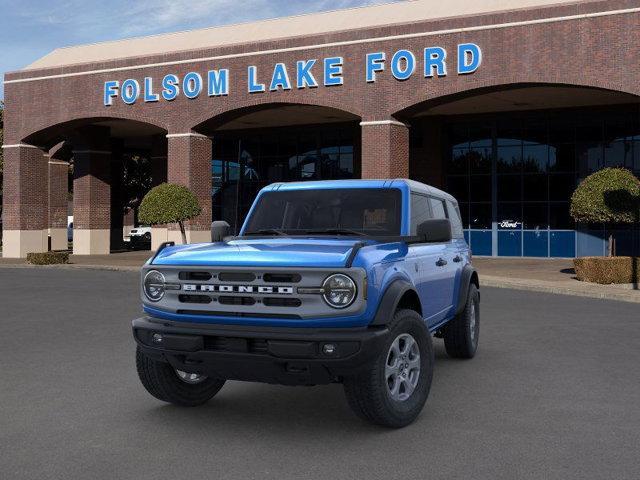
[[611, 195], [169, 203], [48, 258], [607, 270]]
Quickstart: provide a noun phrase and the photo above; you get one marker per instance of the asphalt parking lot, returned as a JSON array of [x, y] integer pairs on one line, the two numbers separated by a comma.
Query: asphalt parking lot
[[554, 392]]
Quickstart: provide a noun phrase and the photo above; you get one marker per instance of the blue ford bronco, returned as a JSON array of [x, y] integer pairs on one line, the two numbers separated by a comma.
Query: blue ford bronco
[[330, 281]]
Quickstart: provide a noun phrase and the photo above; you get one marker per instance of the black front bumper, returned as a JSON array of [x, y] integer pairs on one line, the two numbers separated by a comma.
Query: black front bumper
[[285, 356]]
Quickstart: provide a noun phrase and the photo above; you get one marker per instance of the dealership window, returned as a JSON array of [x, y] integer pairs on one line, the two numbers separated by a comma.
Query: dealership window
[[520, 175], [480, 215], [469, 177], [248, 160]]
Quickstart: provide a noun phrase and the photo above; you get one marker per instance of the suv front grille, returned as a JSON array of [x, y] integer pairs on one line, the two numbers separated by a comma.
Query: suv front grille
[[281, 277], [241, 277], [195, 276], [236, 300], [236, 277], [230, 292], [194, 298], [282, 302], [287, 316], [247, 301]]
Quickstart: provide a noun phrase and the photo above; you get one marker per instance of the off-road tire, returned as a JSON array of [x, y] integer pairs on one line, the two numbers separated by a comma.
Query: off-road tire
[[459, 340], [368, 394], [161, 381]]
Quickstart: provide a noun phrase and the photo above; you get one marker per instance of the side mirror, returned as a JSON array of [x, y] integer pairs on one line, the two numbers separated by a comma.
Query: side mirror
[[219, 230], [435, 230]]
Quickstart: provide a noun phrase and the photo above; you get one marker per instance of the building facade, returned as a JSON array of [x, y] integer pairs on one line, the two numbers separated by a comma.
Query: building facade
[[505, 109]]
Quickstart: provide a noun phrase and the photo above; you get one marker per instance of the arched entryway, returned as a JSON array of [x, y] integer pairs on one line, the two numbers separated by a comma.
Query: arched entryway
[[513, 155], [89, 171], [259, 145]]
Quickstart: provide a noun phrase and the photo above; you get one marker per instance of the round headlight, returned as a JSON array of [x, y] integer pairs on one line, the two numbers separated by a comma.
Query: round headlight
[[339, 291], [154, 285]]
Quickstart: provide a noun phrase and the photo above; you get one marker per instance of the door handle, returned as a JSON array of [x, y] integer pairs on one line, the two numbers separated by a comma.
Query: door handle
[[457, 258], [441, 262]]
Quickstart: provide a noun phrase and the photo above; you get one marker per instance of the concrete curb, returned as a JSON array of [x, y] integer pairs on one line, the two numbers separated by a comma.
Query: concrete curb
[[74, 266], [604, 292]]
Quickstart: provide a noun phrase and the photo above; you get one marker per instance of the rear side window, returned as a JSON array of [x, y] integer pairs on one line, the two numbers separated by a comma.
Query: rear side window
[[437, 208], [456, 222], [419, 211]]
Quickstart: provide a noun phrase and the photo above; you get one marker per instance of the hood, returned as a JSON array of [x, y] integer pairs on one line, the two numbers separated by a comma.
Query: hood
[[262, 252]]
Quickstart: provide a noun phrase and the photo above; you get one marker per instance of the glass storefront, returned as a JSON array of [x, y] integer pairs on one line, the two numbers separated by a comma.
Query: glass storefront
[[246, 161], [514, 174]]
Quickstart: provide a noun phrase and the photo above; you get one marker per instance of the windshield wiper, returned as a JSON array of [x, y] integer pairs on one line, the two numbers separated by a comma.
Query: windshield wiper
[[336, 231], [267, 231]]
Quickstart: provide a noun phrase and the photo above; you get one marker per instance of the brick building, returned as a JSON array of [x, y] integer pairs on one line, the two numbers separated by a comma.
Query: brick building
[[506, 104]]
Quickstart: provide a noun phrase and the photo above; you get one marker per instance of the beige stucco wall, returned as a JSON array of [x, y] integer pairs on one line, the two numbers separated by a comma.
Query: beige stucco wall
[[59, 239], [17, 243], [91, 242]]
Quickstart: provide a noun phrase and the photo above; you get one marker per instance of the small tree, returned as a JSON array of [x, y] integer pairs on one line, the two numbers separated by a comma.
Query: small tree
[[611, 195], [169, 203]]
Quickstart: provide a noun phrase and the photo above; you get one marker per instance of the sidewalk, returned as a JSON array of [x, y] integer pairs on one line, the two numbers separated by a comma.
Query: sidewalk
[[126, 261], [537, 275], [546, 275]]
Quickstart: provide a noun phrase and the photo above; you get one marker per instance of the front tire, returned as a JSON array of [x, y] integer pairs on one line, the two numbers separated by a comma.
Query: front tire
[[392, 390], [173, 386], [462, 333]]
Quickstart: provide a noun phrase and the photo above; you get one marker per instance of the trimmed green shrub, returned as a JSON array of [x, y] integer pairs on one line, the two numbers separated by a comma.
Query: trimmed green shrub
[[611, 195], [169, 203], [48, 258], [607, 270]]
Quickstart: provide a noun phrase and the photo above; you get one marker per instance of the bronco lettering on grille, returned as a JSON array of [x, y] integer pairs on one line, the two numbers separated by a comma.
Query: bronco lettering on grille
[[260, 289]]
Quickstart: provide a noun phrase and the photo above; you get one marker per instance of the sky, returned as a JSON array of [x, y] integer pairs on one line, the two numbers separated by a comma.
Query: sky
[[29, 29]]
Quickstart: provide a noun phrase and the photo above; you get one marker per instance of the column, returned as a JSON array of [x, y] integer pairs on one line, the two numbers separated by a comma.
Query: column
[[116, 225], [385, 149], [59, 157], [426, 160], [58, 192], [189, 164], [159, 233], [92, 192], [158, 160], [25, 210]]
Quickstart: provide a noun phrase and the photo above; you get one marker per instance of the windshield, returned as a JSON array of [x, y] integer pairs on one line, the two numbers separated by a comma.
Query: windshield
[[362, 211]]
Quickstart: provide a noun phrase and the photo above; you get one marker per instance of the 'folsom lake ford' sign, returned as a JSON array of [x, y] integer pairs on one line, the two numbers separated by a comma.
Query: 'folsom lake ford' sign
[[215, 83]]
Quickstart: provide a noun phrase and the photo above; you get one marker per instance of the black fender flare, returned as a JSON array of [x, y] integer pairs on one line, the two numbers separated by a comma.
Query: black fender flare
[[390, 299], [468, 276]]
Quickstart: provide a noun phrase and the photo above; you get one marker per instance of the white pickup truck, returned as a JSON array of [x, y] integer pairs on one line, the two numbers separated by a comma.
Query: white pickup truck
[[139, 237]]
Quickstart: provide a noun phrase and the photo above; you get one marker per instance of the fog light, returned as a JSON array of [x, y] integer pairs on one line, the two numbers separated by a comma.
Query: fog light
[[156, 338], [328, 349]]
